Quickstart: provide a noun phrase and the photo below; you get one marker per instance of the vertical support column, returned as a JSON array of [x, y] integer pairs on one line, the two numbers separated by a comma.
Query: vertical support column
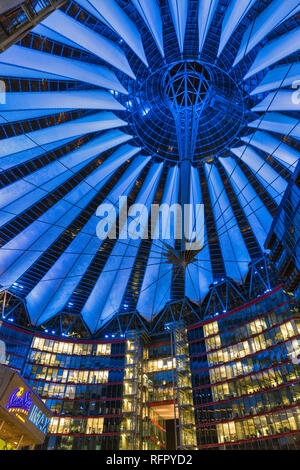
[[132, 406], [20, 442], [185, 430], [187, 89], [185, 171], [3, 304]]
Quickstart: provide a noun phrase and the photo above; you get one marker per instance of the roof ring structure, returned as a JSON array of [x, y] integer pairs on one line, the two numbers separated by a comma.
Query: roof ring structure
[[187, 84]]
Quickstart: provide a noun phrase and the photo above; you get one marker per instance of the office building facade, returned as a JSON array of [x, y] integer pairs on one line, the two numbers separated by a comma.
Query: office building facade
[[149, 219], [230, 382]]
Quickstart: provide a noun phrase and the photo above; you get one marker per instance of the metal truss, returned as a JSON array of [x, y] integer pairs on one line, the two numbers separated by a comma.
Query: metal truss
[[13, 309], [259, 277], [224, 295], [187, 86], [177, 311]]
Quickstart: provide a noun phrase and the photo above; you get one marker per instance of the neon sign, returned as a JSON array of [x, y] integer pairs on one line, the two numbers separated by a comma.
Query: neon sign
[[20, 401]]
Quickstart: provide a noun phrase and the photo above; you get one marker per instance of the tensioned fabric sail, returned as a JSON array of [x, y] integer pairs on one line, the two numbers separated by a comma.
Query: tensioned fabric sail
[[278, 123], [88, 118]]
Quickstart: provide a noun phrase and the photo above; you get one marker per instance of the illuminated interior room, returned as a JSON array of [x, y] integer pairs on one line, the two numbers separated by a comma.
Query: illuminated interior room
[[144, 340]]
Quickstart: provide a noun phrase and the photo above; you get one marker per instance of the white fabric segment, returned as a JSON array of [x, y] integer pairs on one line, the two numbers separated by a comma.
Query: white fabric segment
[[20, 195], [22, 251], [285, 154], [56, 287], [198, 275], [150, 12], [206, 12], [234, 14], [270, 179], [107, 294], [75, 99], [61, 67], [179, 10], [155, 290], [280, 123], [282, 100], [231, 241], [281, 76], [37, 237], [87, 39], [117, 20], [9, 70], [14, 116], [255, 211], [31, 153], [277, 12], [10, 147], [274, 51], [49, 33]]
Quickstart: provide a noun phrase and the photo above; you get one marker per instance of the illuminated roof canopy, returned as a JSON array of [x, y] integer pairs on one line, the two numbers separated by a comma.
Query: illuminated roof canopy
[[96, 96]]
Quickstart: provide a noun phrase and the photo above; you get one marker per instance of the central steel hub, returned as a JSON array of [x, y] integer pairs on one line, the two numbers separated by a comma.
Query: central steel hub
[[187, 85]]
